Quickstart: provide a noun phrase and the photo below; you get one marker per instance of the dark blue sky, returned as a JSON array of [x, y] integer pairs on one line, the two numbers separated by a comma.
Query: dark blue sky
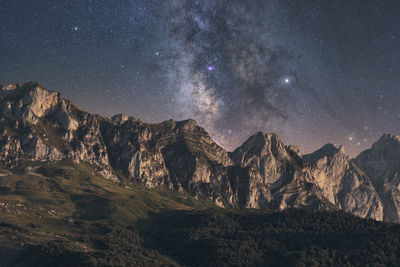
[[312, 71]]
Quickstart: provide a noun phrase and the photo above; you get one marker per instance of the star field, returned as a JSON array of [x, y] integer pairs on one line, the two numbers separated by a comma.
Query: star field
[[315, 72]]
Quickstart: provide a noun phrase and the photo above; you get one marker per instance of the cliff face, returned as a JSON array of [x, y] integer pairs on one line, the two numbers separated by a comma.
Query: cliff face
[[382, 164], [343, 183], [39, 125], [276, 174], [177, 155], [27, 101]]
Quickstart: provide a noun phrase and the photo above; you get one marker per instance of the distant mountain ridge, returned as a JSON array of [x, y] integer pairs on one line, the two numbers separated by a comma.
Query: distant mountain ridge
[[37, 124]]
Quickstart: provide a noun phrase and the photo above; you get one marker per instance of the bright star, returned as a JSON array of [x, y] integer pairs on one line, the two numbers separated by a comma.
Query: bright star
[[210, 68], [286, 80], [75, 28]]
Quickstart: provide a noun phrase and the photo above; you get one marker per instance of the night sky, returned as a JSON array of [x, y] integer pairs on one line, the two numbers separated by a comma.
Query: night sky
[[314, 72]]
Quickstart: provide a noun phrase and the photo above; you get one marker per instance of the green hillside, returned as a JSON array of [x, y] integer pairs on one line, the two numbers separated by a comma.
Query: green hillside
[[65, 214]]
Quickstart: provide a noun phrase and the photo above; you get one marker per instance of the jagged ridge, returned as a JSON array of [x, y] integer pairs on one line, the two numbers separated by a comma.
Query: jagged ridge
[[39, 125]]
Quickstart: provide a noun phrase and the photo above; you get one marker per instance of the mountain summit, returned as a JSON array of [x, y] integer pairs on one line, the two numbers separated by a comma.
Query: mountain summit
[[38, 125], [382, 164]]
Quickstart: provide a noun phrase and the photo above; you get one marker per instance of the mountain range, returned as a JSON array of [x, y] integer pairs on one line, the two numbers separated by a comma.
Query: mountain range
[[38, 125], [78, 189]]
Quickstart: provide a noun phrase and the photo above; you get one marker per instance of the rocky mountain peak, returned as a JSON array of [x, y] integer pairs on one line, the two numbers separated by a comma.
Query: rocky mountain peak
[[277, 178], [389, 136], [20, 86], [343, 183], [261, 144], [382, 164], [16, 91], [294, 148], [328, 151], [382, 157], [27, 101], [186, 125], [120, 118], [388, 147]]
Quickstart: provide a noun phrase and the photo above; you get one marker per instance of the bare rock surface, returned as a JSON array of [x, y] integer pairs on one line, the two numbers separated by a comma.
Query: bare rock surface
[[277, 177], [382, 164], [344, 183]]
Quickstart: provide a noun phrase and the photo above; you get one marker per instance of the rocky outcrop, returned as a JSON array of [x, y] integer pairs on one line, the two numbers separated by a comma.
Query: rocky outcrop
[[11, 150], [382, 164], [176, 155], [27, 101], [277, 177], [343, 183], [50, 128], [44, 152]]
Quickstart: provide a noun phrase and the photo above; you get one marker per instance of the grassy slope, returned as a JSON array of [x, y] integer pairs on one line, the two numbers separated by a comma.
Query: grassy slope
[[68, 204], [64, 214]]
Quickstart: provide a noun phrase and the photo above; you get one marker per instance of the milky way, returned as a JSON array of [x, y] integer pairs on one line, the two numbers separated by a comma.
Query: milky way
[[312, 71]]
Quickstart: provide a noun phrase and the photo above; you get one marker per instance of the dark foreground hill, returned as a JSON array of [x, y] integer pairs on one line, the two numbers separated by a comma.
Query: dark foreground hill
[[66, 214]]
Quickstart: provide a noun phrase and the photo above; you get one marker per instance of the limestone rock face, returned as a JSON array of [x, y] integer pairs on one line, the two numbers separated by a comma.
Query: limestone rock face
[[88, 145], [43, 152], [277, 177], [11, 150], [176, 155], [48, 128], [27, 101], [343, 183], [382, 163]]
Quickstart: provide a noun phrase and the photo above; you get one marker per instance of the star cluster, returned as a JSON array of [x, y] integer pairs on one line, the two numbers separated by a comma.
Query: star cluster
[[312, 71]]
